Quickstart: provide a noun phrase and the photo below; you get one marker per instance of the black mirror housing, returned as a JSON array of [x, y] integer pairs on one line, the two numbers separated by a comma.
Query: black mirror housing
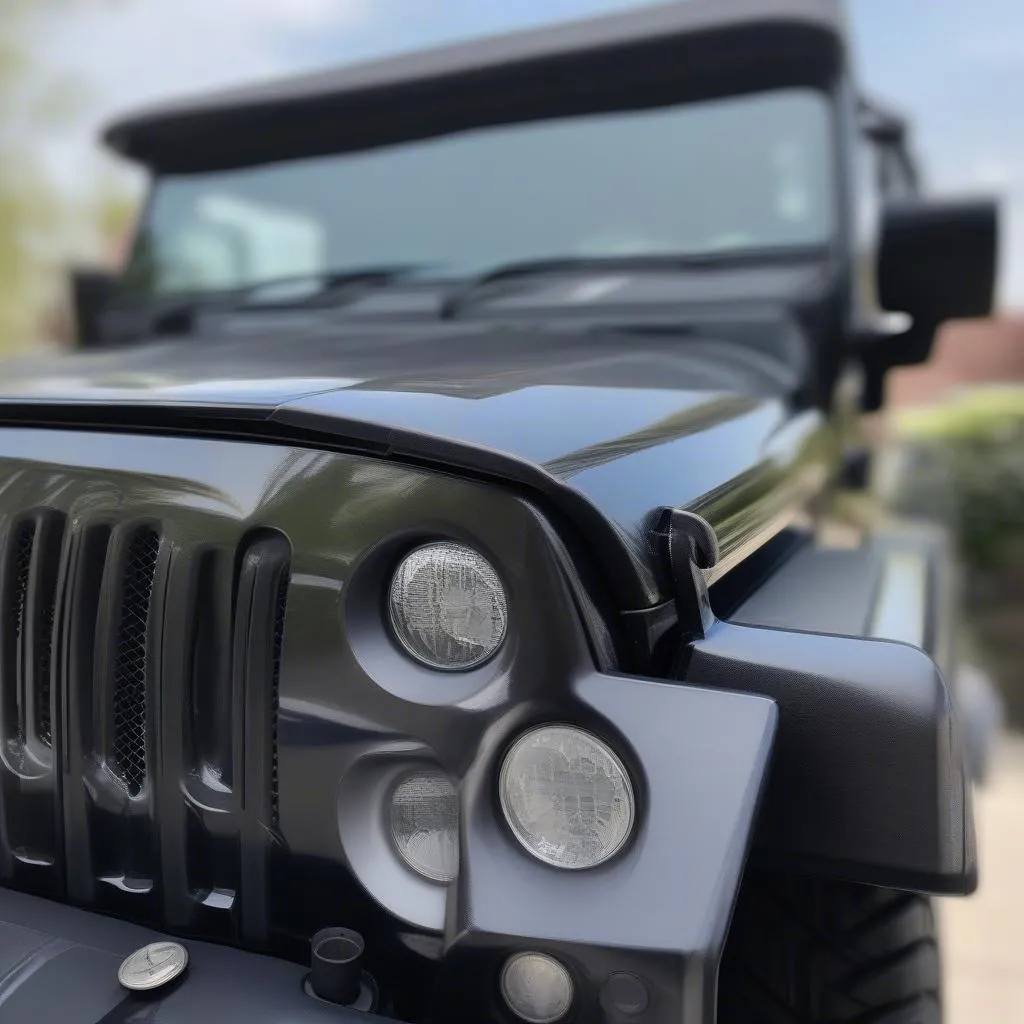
[[91, 291], [937, 260]]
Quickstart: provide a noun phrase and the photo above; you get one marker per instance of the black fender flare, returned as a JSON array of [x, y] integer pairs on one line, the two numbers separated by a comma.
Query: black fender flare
[[868, 781]]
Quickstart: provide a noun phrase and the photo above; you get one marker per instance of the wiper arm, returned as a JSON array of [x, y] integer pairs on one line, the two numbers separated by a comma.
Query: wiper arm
[[454, 303]]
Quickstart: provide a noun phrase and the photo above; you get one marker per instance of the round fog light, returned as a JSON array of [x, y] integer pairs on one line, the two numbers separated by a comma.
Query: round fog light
[[447, 606], [567, 797], [425, 825], [536, 987]]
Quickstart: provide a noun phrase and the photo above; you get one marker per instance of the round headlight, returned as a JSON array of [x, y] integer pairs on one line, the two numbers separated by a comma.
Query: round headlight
[[425, 825], [536, 987], [567, 797], [448, 608]]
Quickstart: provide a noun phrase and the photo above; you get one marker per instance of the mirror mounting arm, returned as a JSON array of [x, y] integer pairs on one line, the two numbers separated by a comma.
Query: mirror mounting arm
[[880, 351]]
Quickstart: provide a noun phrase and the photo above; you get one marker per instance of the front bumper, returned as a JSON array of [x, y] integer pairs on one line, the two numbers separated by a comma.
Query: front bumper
[[58, 965]]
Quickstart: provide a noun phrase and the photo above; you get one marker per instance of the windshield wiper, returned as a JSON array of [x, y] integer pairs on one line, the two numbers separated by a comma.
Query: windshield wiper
[[177, 315], [479, 285], [303, 289]]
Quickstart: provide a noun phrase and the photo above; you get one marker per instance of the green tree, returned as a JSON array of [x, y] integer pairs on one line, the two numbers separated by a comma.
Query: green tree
[[35, 98]]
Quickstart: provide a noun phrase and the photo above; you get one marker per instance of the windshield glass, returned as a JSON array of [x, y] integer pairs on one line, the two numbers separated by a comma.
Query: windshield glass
[[746, 172]]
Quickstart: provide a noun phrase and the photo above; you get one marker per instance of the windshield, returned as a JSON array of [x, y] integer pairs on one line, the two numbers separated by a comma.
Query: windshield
[[741, 173]]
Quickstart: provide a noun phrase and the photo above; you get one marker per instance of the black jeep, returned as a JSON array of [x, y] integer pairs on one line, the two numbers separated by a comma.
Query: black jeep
[[422, 598]]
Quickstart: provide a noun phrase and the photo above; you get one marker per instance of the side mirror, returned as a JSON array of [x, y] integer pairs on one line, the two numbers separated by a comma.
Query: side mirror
[[937, 260], [91, 291]]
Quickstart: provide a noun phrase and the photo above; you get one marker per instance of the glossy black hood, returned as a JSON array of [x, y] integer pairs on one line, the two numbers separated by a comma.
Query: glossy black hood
[[611, 425], [265, 358]]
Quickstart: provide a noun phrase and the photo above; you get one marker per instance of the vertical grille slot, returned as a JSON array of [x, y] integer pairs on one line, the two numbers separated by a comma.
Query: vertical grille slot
[[24, 538], [131, 660], [44, 664], [32, 561], [30, 818], [49, 538], [209, 730]]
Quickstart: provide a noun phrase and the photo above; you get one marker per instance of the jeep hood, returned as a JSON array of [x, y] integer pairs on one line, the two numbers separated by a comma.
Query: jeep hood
[[610, 428]]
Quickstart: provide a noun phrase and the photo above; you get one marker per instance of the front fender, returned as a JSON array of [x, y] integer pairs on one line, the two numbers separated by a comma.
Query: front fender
[[869, 781]]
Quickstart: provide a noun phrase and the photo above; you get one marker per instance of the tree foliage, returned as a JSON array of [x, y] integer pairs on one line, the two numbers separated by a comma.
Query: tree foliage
[[36, 98]]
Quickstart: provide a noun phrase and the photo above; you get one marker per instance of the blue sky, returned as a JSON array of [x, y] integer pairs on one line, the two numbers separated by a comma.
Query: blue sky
[[957, 67]]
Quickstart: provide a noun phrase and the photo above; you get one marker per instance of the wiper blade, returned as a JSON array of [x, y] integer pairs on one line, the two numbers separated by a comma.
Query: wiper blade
[[303, 289], [177, 314], [602, 264]]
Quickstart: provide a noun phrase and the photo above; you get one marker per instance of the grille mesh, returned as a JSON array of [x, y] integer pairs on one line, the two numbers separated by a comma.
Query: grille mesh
[[22, 544], [279, 613], [44, 652], [130, 663], [23, 541]]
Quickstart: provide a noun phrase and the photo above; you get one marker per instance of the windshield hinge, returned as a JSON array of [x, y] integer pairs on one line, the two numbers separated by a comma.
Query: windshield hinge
[[689, 546]]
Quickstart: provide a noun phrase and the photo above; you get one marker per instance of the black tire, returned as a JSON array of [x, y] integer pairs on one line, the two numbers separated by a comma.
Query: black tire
[[809, 951]]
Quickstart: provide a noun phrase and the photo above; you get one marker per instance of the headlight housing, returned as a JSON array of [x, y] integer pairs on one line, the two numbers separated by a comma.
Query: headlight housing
[[424, 815], [447, 606], [567, 797]]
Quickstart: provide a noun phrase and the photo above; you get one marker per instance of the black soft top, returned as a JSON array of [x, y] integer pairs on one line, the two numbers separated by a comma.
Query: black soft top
[[645, 57]]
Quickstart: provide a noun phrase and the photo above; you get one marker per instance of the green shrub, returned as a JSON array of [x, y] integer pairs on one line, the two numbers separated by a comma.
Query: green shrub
[[963, 464]]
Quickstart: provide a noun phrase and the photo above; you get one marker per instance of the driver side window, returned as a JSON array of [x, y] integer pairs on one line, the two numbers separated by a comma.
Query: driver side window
[[223, 242]]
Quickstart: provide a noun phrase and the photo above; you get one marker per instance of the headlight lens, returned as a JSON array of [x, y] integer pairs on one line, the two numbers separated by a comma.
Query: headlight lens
[[536, 987], [425, 825], [448, 608], [567, 797]]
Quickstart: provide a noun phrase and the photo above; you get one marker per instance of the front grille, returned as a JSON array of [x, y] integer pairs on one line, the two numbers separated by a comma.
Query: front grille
[[130, 663], [139, 691]]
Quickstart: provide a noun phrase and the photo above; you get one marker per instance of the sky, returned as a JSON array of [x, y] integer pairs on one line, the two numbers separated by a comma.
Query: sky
[[956, 67]]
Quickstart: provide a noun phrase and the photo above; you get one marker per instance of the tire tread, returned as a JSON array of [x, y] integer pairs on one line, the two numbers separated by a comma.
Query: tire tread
[[813, 951]]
